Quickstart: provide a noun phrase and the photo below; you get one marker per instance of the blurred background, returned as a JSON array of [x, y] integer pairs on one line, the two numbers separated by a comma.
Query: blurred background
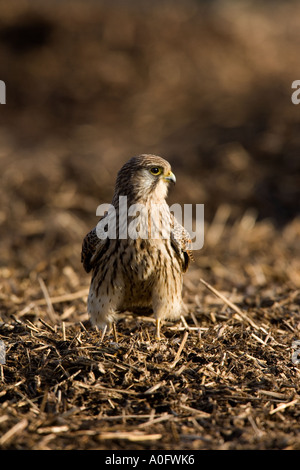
[[204, 84]]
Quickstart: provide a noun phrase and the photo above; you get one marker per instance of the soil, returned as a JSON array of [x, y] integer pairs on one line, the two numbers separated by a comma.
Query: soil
[[209, 89]]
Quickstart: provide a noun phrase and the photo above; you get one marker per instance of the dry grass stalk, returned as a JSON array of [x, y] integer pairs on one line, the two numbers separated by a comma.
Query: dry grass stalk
[[81, 294], [64, 330], [270, 393], [129, 436], [159, 419], [115, 332], [283, 406], [154, 388], [182, 344], [194, 411], [16, 429], [51, 312], [242, 314]]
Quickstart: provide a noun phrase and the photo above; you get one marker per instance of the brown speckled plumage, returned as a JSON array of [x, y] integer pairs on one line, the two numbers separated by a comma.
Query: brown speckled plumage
[[138, 275]]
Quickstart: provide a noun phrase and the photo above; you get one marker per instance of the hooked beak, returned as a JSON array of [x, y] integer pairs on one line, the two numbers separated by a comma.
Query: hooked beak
[[170, 177]]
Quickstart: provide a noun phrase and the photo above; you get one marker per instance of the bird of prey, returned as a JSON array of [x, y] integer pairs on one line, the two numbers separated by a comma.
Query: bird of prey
[[139, 274]]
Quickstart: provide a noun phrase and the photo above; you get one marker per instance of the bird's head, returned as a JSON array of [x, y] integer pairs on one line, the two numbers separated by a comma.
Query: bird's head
[[144, 177]]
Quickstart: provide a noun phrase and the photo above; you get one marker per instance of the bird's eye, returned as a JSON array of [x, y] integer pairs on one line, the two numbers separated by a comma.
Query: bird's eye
[[155, 170]]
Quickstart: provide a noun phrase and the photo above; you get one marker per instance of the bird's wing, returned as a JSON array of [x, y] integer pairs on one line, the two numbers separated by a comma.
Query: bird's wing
[[93, 248], [181, 243]]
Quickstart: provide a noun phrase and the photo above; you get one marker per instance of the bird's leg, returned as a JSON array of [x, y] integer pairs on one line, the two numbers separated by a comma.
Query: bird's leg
[[157, 332]]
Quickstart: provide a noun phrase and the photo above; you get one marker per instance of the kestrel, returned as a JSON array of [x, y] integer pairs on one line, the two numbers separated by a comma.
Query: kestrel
[[138, 274]]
